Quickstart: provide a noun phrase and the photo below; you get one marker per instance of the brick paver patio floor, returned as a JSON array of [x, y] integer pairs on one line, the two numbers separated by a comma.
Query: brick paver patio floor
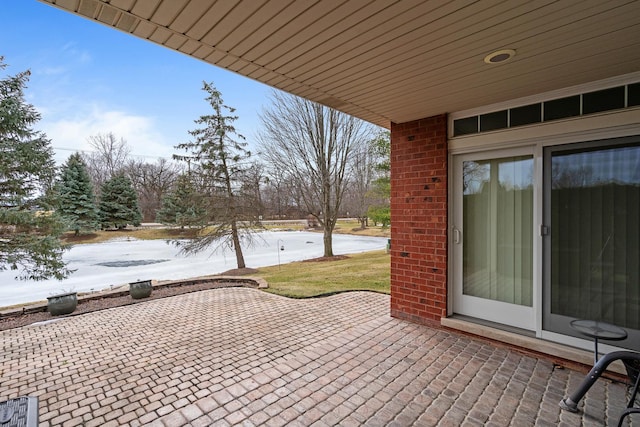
[[241, 356]]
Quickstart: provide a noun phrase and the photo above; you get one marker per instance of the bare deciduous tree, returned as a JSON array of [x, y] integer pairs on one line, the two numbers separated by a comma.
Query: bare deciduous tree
[[152, 182], [281, 196], [362, 175], [108, 158], [251, 190], [314, 145]]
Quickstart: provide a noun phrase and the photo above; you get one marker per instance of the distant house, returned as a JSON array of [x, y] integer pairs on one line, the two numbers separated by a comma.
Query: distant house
[[515, 131]]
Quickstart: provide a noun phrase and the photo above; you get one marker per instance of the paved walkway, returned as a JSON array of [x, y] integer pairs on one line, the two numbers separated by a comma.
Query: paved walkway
[[245, 357]]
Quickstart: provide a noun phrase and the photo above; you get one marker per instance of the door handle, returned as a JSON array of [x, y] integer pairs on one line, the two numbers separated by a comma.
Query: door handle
[[456, 236]]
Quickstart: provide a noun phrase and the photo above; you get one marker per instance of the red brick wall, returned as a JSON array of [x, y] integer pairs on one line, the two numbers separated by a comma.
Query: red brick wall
[[419, 219]]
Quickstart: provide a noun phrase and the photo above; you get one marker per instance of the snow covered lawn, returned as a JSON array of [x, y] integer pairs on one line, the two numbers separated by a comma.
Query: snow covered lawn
[[118, 262]]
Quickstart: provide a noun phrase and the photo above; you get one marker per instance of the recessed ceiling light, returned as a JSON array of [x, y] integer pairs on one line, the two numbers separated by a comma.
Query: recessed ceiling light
[[499, 56]]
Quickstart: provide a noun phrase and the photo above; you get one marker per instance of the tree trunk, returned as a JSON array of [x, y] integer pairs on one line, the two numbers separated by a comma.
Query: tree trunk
[[233, 213], [328, 241], [236, 245]]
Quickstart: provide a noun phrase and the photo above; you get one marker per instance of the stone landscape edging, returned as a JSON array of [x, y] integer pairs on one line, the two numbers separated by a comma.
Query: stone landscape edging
[[41, 306]]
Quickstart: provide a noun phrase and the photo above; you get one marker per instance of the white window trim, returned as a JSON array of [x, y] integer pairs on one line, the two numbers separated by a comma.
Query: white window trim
[[542, 97], [611, 124], [548, 96]]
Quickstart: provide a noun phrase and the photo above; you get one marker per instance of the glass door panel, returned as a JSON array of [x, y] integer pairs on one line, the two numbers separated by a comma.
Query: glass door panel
[[493, 258], [592, 255], [498, 220]]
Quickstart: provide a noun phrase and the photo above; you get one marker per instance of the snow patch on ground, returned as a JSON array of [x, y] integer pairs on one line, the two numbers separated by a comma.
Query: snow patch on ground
[[273, 248]]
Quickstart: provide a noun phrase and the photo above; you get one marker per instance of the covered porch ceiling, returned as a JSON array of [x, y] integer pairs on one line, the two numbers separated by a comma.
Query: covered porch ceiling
[[391, 61]]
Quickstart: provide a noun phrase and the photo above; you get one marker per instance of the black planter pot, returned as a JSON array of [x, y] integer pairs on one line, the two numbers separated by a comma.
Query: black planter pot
[[141, 289], [61, 304]]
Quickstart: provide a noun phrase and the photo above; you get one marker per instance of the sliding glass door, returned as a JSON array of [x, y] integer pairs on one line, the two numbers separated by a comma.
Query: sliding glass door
[[493, 237], [592, 243]]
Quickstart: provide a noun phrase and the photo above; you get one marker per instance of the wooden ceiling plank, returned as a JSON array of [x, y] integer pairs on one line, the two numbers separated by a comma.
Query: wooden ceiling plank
[[125, 5], [251, 25], [459, 67], [239, 64], [109, 15], [572, 47], [66, 4], [261, 40], [446, 32], [289, 30], [215, 57], [89, 8], [434, 103], [398, 58], [127, 22], [465, 44], [190, 47], [302, 91], [144, 29], [324, 30], [354, 35], [279, 81], [202, 24], [226, 61], [531, 44], [248, 69], [259, 74], [167, 12], [190, 14], [202, 51], [235, 18], [160, 35], [353, 44], [522, 71], [145, 9], [176, 41]]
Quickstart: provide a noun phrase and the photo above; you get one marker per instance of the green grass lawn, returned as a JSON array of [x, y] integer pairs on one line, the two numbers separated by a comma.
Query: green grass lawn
[[367, 271]]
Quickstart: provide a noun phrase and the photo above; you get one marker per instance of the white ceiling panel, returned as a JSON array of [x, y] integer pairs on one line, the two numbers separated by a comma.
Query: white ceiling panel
[[391, 61]]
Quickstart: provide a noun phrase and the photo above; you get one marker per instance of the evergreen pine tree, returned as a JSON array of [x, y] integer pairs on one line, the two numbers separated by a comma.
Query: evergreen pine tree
[[29, 229], [219, 154], [380, 194], [119, 203], [183, 206], [76, 200]]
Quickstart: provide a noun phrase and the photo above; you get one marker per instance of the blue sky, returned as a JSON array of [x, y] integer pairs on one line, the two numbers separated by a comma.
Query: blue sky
[[89, 79]]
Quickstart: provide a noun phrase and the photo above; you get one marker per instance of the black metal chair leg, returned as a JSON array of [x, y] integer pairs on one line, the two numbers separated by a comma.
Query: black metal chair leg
[[626, 413], [571, 402], [630, 409], [634, 393]]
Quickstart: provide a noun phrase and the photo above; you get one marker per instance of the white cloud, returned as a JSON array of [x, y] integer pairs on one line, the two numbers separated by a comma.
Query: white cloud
[[52, 70], [73, 53], [60, 61], [71, 133]]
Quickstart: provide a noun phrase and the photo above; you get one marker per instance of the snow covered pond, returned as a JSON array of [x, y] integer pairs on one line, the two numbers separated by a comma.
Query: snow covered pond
[[118, 262]]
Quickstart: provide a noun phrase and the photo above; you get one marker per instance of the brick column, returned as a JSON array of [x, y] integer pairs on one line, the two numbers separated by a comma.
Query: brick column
[[419, 219]]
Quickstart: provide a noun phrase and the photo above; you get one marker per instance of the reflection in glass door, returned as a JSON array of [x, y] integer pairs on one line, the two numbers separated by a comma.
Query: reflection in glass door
[[493, 239], [592, 253]]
